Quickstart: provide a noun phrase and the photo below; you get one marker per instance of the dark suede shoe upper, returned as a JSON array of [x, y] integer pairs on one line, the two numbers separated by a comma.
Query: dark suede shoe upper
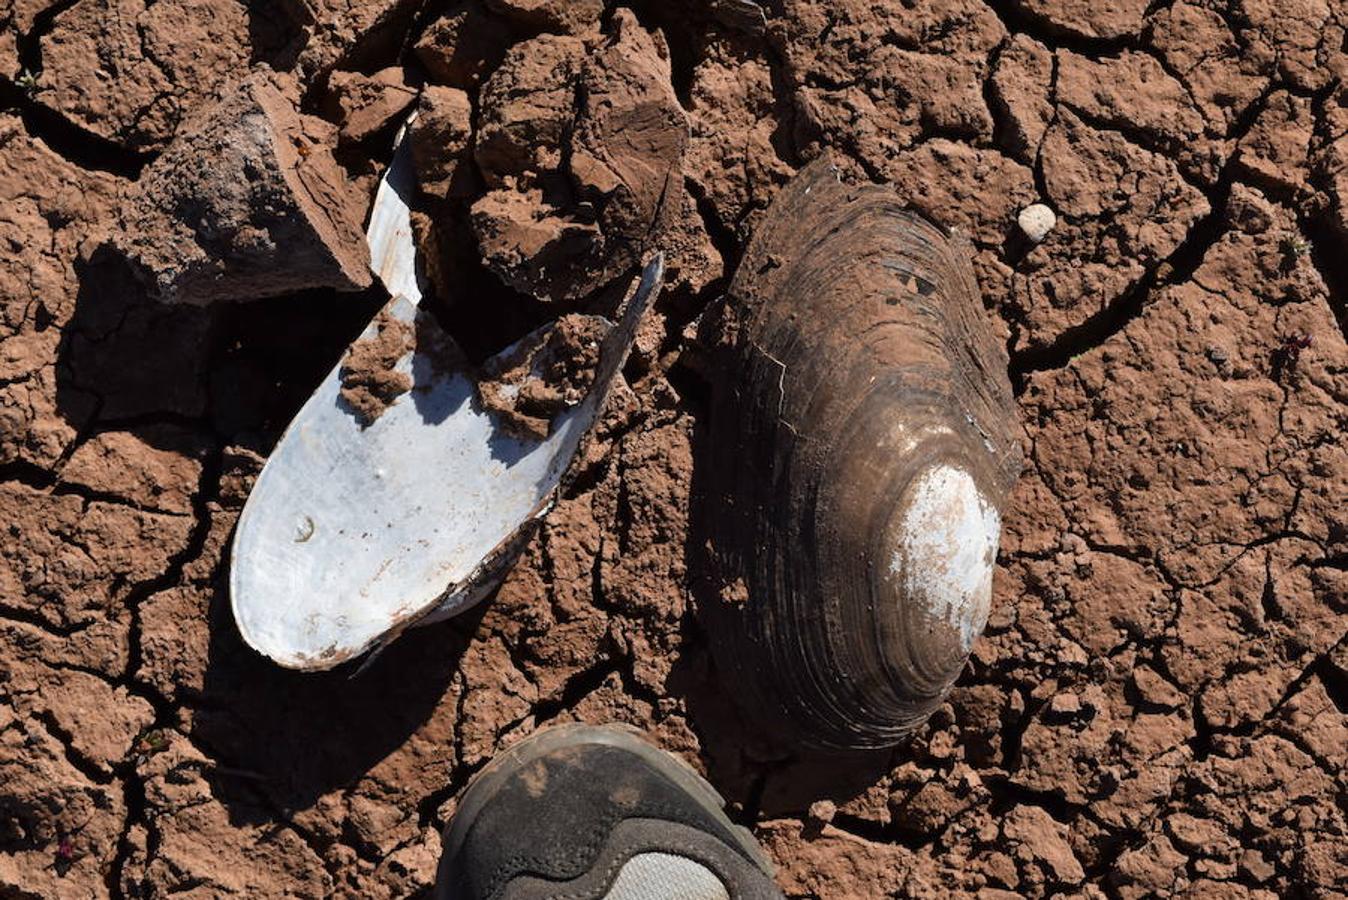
[[552, 818]]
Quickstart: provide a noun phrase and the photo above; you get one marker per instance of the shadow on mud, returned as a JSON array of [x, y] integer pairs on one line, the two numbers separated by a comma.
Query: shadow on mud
[[232, 376], [292, 737], [235, 373], [763, 778]]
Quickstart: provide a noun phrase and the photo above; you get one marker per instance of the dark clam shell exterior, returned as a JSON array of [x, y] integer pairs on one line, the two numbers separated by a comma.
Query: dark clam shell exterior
[[858, 453]]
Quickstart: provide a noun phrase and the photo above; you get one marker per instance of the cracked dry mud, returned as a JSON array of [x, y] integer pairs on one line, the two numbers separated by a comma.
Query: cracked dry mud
[[1160, 703]]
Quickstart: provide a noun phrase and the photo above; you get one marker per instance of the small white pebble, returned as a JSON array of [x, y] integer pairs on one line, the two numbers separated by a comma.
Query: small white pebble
[[1036, 221]]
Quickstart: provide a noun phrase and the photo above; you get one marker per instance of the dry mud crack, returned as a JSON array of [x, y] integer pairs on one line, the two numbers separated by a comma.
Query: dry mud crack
[[1160, 703]]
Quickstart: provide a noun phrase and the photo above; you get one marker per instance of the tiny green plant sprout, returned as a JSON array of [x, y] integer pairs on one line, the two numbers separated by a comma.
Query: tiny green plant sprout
[[1293, 248], [152, 741], [27, 82]]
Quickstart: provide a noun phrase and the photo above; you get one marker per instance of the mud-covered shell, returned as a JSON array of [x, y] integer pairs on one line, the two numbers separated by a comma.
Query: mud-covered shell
[[355, 531], [858, 455]]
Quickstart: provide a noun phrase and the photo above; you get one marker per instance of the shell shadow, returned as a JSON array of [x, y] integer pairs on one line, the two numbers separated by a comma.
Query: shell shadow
[[752, 769], [202, 380], [230, 374], [284, 739]]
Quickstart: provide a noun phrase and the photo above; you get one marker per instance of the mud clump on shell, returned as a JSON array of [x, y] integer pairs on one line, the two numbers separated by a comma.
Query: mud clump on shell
[[547, 373], [857, 454], [370, 383]]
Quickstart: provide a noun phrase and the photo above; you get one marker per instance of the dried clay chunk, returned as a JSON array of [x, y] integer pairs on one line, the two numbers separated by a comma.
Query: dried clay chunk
[[247, 202], [620, 151]]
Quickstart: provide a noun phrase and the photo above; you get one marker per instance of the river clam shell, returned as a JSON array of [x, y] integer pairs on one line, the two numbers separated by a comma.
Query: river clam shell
[[354, 532], [855, 463]]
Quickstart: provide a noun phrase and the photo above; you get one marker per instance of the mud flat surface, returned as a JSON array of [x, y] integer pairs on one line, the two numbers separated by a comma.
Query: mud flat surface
[[1160, 703]]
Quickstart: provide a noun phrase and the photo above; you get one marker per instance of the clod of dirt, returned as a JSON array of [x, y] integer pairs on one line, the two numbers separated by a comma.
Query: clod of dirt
[[360, 35], [369, 382], [154, 470], [1019, 93], [461, 47], [548, 372], [364, 105], [1038, 841], [440, 138], [246, 203], [569, 16], [1276, 150], [734, 118], [1086, 18], [581, 143], [130, 70], [1036, 221], [822, 811]]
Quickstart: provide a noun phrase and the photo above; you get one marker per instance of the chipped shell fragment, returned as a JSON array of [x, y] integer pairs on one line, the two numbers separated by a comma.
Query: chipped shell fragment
[[316, 580]]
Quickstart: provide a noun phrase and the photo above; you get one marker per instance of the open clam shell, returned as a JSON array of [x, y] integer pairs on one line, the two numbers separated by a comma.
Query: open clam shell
[[354, 532], [858, 454]]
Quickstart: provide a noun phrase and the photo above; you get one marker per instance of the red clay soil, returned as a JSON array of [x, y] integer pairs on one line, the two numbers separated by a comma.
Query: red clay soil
[[1160, 703]]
